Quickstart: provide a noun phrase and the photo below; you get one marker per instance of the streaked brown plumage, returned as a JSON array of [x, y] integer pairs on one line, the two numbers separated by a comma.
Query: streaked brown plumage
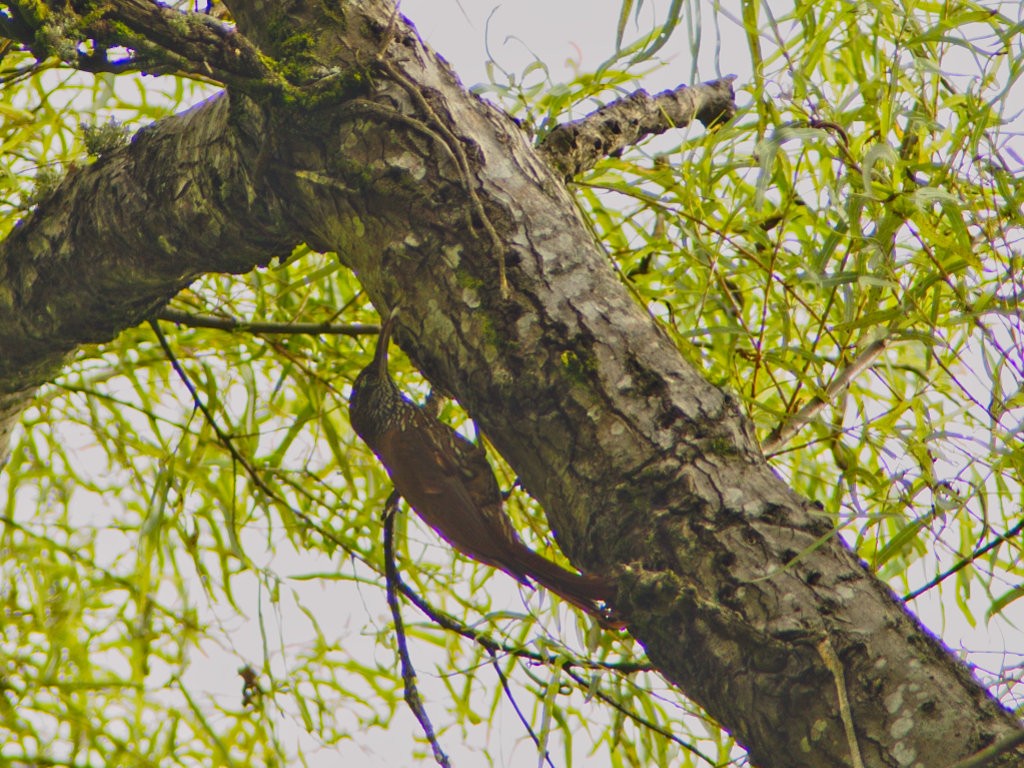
[[448, 481]]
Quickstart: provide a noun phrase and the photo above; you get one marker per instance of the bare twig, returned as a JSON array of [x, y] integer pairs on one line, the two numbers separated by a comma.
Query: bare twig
[[638, 719], [226, 441], [233, 324], [446, 621], [785, 431], [412, 694], [990, 753], [981, 551], [222, 436], [515, 706]]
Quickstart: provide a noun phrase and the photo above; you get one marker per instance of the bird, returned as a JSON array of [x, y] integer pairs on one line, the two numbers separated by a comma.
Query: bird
[[449, 483]]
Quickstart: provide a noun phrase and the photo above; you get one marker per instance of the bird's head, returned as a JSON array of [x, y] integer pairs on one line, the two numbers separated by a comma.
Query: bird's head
[[374, 395]]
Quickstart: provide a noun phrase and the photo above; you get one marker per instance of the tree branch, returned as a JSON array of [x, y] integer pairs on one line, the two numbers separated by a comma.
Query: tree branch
[[162, 39], [515, 706], [412, 694], [990, 754], [235, 325], [572, 148], [120, 237], [959, 566]]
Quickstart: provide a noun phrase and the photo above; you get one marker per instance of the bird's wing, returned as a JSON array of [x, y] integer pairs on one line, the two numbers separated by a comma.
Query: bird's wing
[[427, 477]]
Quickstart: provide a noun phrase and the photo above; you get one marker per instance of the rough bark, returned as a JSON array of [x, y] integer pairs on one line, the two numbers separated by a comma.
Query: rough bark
[[120, 237], [733, 584]]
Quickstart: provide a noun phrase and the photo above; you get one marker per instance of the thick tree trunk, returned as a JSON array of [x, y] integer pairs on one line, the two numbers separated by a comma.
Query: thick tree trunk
[[647, 472]]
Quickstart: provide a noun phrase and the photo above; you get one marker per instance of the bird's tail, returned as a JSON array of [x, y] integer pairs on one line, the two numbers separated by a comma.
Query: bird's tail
[[590, 593]]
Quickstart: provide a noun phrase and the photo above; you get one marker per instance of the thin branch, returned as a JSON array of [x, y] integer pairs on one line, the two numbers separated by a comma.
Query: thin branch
[[991, 752], [981, 551], [412, 694], [638, 719], [236, 455], [222, 436], [235, 325], [446, 621], [572, 148], [785, 431], [190, 42], [395, 584], [515, 706]]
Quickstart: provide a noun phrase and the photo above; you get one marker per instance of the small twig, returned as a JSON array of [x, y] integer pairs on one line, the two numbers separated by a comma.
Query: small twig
[[515, 706], [222, 436], [785, 431], [832, 663], [981, 551], [225, 440], [638, 719], [446, 621], [233, 324], [412, 694], [985, 756]]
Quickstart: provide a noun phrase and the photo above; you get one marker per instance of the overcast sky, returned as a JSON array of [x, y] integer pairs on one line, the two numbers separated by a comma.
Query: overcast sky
[[561, 31]]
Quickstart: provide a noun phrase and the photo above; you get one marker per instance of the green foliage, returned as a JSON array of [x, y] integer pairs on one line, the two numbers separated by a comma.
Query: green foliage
[[645, 49], [862, 213]]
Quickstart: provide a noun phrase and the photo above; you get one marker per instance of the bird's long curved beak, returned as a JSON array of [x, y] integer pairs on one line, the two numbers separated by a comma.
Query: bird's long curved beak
[[380, 356]]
